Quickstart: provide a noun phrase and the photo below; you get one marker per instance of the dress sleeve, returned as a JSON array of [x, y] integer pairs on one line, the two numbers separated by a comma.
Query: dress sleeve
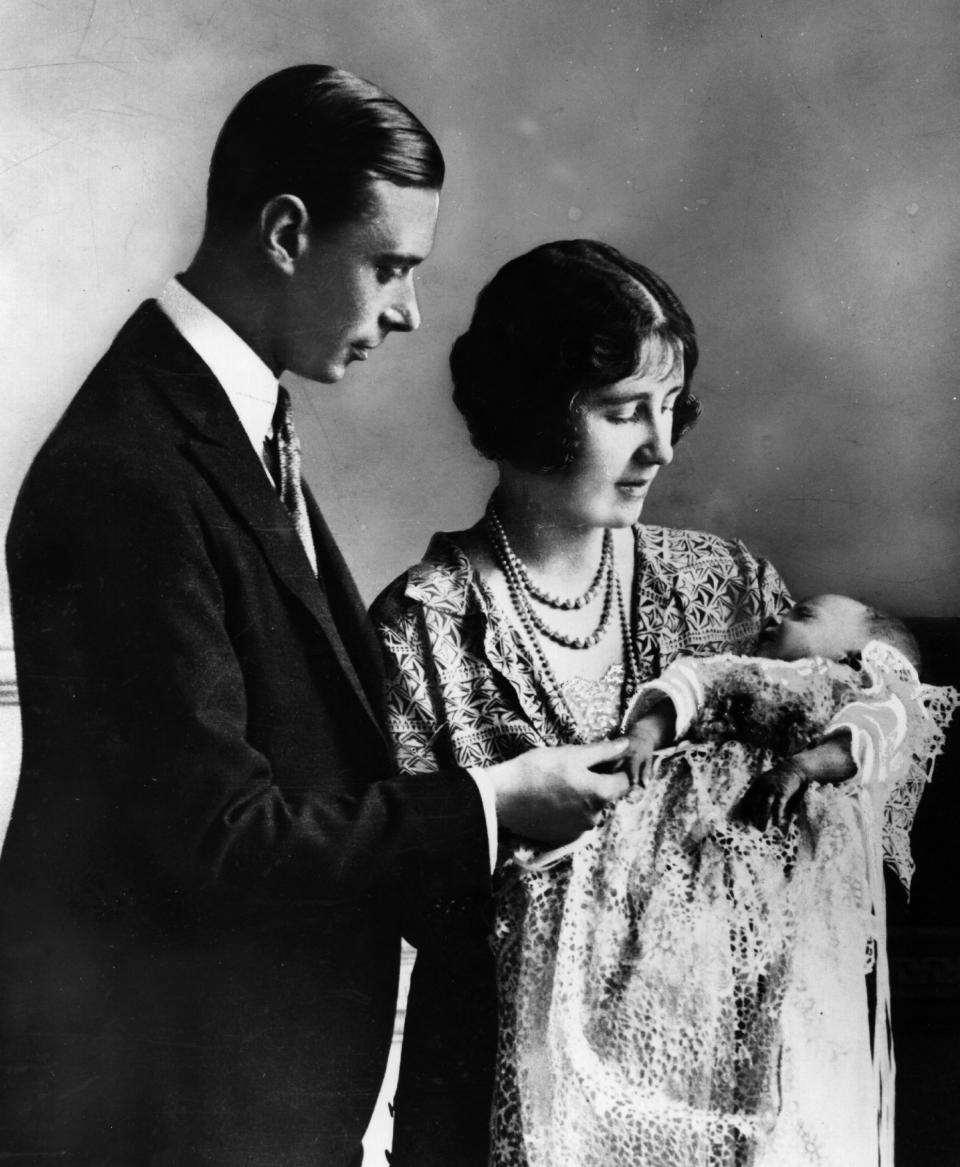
[[415, 710], [774, 594], [415, 716]]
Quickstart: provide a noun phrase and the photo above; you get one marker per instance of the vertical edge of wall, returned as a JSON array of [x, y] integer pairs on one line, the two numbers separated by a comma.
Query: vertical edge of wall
[[8, 678], [9, 737]]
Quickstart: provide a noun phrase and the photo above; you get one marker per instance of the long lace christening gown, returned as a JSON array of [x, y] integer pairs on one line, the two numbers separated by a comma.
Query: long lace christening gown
[[686, 991]]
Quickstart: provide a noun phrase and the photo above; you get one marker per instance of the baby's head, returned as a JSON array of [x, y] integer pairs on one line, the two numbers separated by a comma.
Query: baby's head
[[833, 626]]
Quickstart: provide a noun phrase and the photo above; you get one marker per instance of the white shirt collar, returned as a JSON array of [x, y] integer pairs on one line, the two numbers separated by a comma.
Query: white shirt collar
[[246, 380]]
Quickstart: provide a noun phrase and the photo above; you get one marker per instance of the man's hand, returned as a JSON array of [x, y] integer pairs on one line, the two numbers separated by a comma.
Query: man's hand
[[646, 735], [774, 796], [554, 794]]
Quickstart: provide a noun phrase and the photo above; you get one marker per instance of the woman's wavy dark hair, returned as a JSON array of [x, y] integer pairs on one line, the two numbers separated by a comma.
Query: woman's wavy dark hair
[[562, 319]]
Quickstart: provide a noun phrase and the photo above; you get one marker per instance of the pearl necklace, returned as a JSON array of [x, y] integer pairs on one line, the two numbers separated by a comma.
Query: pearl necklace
[[520, 590], [559, 603], [518, 584]]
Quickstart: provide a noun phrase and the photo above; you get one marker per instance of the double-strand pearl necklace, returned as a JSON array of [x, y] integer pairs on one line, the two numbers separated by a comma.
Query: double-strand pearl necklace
[[522, 590], [559, 603]]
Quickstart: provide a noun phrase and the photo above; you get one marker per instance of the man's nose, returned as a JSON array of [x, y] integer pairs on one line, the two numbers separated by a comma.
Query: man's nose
[[403, 315]]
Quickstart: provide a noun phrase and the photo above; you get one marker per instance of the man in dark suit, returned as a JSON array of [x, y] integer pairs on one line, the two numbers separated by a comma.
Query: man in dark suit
[[210, 861]]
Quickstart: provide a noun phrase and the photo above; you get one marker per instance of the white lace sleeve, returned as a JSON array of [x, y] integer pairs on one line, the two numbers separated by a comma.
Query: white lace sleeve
[[682, 683], [897, 730]]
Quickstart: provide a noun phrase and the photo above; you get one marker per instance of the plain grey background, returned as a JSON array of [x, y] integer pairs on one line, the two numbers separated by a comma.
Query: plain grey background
[[791, 168]]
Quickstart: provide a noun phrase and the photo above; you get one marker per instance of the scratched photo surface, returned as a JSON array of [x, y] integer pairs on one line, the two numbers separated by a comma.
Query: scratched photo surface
[[792, 169]]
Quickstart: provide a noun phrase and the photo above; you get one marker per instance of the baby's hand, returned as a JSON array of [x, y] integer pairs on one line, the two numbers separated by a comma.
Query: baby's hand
[[774, 796], [647, 734], [637, 762]]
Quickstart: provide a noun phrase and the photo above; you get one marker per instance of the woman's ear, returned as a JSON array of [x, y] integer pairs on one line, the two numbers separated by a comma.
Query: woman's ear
[[284, 226]]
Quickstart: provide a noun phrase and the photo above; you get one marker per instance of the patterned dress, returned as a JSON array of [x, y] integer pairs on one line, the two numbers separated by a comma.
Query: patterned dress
[[463, 689]]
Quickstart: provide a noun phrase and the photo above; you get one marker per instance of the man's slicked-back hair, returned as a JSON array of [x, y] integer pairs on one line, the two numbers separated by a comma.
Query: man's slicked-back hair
[[322, 134]]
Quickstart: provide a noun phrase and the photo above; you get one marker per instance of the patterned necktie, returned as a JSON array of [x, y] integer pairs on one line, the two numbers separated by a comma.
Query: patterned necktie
[[286, 460]]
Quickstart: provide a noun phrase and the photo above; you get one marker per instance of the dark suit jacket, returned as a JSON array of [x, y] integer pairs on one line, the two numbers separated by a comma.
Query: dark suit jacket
[[209, 863]]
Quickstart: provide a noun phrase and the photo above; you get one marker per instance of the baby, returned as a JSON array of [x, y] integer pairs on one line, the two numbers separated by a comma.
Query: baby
[[704, 993], [832, 627], [835, 627]]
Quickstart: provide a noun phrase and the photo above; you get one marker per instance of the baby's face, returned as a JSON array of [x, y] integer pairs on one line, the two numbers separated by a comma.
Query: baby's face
[[829, 626]]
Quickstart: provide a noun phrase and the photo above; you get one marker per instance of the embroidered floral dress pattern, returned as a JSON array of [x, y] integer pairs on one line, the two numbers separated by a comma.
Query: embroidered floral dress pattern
[[461, 683]]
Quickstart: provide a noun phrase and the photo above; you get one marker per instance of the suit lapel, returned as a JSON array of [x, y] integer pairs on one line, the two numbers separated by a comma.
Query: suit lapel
[[349, 612], [240, 477], [221, 448]]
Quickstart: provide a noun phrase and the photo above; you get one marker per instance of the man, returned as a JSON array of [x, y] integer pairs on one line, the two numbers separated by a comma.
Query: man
[[210, 862]]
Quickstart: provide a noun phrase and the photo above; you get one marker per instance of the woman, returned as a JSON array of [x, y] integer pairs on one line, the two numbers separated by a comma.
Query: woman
[[536, 625]]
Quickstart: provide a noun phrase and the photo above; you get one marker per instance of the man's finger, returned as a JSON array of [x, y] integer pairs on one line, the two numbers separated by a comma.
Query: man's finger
[[609, 787], [596, 753]]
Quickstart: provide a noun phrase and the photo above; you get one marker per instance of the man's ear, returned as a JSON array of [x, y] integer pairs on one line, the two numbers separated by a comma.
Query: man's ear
[[284, 227]]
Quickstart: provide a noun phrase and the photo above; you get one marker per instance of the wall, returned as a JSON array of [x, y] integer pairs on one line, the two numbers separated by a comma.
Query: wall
[[792, 169]]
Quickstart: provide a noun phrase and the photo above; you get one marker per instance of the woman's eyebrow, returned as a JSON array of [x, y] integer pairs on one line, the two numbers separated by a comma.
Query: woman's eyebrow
[[611, 397]]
